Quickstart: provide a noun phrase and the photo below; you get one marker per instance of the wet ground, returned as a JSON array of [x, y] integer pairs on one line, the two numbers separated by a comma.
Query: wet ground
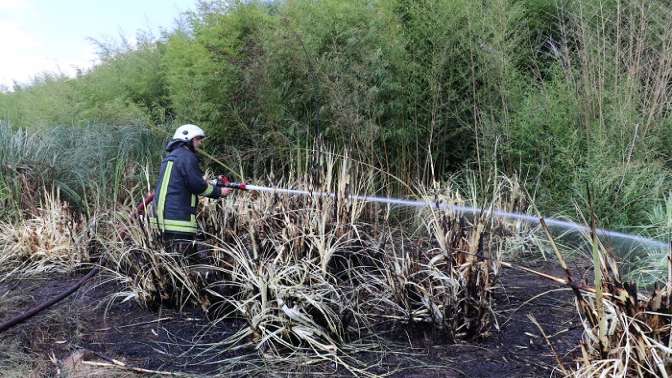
[[164, 339]]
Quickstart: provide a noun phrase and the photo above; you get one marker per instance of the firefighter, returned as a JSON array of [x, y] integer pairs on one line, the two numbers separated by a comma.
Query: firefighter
[[180, 182]]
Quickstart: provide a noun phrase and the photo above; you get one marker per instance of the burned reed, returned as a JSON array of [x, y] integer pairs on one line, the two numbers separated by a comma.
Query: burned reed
[[312, 276]]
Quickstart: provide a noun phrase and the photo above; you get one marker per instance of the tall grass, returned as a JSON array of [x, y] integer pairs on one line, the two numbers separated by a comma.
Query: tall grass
[[91, 166], [597, 117]]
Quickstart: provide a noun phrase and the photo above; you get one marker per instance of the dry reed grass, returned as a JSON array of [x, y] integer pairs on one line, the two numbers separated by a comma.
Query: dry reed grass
[[149, 271], [52, 239], [626, 333], [312, 276], [443, 275]]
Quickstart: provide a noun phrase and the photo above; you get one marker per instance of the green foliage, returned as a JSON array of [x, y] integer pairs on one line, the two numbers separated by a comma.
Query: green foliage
[[128, 87], [596, 120], [568, 93], [193, 95], [93, 165], [47, 101]]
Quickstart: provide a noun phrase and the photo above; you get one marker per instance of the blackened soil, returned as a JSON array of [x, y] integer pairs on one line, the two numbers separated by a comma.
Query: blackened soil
[[163, 339], [515, 346], [160, 339]]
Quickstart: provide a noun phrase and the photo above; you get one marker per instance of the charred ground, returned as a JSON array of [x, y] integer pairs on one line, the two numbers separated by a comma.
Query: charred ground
[[163, 339]]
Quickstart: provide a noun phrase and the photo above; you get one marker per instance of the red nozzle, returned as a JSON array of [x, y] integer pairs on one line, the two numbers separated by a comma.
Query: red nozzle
[[224, 181]]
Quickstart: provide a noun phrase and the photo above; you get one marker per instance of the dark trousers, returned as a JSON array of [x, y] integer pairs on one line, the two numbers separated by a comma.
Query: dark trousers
[[186, 245], [183, 244]]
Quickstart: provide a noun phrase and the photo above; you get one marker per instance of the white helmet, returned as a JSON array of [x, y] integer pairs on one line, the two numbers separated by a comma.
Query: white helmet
[[188, 132]]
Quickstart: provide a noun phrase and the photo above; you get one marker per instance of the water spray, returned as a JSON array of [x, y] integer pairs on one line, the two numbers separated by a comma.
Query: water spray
[[552, 223]]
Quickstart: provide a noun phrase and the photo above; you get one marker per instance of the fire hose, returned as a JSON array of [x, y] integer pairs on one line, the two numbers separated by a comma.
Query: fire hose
[[37, 309]]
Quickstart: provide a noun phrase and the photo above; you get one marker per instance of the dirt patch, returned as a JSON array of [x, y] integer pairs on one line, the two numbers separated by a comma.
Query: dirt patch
[[164, 339]]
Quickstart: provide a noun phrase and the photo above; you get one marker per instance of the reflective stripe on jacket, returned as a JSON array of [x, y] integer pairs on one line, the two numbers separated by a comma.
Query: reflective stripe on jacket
[[180, 181]]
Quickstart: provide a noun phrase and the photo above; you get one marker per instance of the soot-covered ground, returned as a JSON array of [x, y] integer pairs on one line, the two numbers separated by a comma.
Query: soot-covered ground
[[83, 328]]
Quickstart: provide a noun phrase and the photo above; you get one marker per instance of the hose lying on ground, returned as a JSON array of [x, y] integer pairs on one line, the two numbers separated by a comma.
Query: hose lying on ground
[[139, 211], [44, 305]]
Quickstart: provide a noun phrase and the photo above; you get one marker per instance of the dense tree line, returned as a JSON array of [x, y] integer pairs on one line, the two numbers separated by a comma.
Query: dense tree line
[[566, 94]]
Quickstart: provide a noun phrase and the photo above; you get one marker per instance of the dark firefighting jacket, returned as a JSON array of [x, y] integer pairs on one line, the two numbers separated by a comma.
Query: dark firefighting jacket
[[180, 182]]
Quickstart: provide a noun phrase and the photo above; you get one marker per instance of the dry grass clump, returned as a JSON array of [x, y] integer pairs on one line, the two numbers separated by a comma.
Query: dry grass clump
[[53, 238], [446, 284], [443, 276], [626, 333], [292, 307]]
